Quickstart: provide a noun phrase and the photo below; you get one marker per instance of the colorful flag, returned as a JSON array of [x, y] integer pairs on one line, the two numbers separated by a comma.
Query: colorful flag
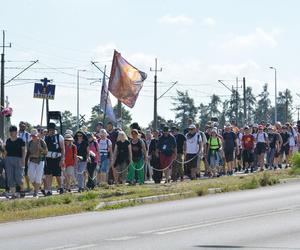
[[125, 81], [105, 103]]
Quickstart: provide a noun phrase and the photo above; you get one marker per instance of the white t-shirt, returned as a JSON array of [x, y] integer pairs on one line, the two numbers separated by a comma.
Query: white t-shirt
[[293, 138], [261, 137], [193, 144], [25, 136], [104, 145]]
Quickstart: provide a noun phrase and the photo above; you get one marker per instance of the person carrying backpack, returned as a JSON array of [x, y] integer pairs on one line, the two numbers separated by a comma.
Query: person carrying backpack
[[36, 152], [55, 159], [70, 162], [213, 154]]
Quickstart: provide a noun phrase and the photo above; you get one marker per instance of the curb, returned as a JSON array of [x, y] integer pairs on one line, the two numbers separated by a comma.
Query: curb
[[141, 200]]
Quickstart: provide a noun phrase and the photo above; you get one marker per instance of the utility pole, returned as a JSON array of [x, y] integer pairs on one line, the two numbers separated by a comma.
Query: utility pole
[[155, 94], [2, 121], [244, 95], [286, 106], [45, 81]]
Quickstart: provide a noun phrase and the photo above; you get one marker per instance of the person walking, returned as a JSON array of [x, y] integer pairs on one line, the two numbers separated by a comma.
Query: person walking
[[93, 161], [14, 162], [139, 158], [193, 149], [36, 153], [262, 144], [213, 153], [167, 149], [177, 168], [25, 136], [122, 158], [70, 162], [154, 158], [83, 154], [248, 142], [106, 155], [55, 159]]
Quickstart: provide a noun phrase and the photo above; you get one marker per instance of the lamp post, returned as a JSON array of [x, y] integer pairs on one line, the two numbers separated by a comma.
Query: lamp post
[[77, 117], [275, 70]]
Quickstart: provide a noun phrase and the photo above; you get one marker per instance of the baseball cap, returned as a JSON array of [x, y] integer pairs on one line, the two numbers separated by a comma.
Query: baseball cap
[[192, 126], [34, 132]]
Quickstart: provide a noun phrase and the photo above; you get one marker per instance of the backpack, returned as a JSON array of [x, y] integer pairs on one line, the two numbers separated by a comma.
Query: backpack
[[219, 144], [265, 137]]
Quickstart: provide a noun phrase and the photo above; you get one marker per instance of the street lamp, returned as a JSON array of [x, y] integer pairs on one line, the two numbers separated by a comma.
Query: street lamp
[[77, 117], [275, 92]]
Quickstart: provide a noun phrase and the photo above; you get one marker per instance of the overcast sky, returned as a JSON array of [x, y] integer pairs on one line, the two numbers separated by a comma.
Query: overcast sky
[[196, 43]]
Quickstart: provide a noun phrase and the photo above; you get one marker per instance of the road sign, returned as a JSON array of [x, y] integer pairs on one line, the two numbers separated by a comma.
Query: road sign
[[42, 92]]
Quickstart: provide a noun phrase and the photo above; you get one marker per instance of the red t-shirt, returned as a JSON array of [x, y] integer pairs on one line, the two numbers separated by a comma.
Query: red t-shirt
[[71, 154], [248, 141]]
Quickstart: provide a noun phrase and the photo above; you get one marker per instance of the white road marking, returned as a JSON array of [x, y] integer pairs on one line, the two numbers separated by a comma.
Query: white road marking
[[61, 247], [81, 247], [122, 238]]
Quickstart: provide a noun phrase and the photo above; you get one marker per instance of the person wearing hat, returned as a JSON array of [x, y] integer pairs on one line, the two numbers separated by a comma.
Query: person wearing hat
[[55, 159], [70, 161], [177, 168], [194, 147], [248, 142], [230, 145], [167, 149], [214, 145], [36, 152], [93, 160]]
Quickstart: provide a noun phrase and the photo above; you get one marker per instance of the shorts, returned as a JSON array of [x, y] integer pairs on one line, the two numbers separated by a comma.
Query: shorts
[[192, 161], [104, 165], [248, 155], [14, 171], [36, 172], [229, 155], [70, 171], [261, 148], [52, 167], [285, 150], [165, 161]]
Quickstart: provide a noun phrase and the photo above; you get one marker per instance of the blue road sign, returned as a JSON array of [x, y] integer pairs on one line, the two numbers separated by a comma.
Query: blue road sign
[[40, 91]]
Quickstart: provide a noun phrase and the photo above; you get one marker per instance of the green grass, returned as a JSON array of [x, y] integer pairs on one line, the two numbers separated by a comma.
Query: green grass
[[21, 209]]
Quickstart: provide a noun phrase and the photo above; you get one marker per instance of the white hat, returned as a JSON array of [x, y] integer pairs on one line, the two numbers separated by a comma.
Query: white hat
[[192, 126], [68, 137], [214, 130], [69, 131], [34, 132]]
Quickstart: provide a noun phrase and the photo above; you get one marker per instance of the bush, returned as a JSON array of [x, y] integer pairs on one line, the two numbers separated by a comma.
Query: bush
[[267, 179], [296, 160], [252, 184]]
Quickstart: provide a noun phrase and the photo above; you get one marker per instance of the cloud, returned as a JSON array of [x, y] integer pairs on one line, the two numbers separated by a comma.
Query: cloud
[[258, 38], [235, 69], [179, 19], [105, 52], [209, 22]]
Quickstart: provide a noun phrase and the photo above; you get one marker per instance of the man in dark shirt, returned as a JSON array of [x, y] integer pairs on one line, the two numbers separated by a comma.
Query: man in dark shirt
[[273, 147], [229, 145], [177, 168], [167, 149], [285, 147], [112, 136]]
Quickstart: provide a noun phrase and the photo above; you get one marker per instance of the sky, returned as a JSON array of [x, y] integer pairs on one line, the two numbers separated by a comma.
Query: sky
[[196, 43]]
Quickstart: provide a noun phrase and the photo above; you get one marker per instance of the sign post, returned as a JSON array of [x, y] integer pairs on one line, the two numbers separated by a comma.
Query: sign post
[[46, 92]]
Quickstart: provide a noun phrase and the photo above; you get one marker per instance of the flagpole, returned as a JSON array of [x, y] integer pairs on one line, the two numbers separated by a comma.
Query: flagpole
[[105, 106]]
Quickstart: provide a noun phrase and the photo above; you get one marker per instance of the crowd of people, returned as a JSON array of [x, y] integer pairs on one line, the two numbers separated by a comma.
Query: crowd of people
[[86, 159]]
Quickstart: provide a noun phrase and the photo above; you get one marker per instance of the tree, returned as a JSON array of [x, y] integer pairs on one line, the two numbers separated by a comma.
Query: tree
[[250, 105], [160, 121], [234, 110], [213, 106], [284, 107], [68, 121], [205, 114], [223, 118], [263, 107], [184, 108]]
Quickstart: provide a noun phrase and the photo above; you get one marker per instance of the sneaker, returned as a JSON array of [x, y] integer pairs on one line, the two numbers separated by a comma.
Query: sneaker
[[61, 191], [43, 192], [49, 193], [35, 195], [22, 194]]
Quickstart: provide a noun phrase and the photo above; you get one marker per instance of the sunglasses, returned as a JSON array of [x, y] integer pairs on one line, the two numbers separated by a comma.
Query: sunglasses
[[79, 135]]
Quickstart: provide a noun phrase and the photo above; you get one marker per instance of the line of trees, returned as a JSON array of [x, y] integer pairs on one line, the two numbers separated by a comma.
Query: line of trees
[[258, 108]]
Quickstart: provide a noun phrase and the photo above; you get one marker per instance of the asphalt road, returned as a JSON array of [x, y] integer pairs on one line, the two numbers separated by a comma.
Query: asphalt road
[[267, 218]]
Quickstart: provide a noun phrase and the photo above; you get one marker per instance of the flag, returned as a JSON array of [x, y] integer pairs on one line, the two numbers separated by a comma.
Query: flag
[[105, 103], [125, 81]]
